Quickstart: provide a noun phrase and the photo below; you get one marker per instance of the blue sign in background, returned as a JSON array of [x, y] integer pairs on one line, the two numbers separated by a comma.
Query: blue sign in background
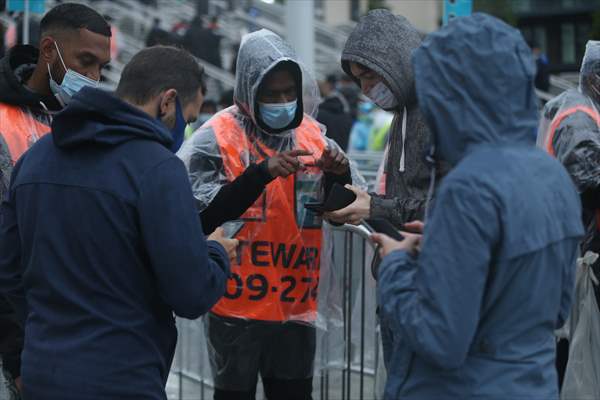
[[35, 6], [457, 8]]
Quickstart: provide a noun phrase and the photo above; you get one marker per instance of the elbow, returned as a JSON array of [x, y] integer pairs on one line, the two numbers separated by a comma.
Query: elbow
[[202, 299]]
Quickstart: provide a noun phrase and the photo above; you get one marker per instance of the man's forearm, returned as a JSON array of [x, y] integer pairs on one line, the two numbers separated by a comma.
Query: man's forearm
[[236, 197]]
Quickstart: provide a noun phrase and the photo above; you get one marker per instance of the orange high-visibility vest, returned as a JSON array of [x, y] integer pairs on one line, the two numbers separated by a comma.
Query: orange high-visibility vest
[[556, 123], [277, 272], [19, 129]]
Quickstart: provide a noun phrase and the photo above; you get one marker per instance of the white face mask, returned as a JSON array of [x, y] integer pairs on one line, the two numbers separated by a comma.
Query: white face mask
[[72, 82], [383, 97]]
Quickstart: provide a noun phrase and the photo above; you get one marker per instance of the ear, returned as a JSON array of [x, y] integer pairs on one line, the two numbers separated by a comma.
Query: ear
[[48, 53], [168, 101]]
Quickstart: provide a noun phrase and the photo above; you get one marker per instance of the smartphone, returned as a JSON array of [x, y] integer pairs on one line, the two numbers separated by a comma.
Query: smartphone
[[314, 206], [232, 228], [382, 225]]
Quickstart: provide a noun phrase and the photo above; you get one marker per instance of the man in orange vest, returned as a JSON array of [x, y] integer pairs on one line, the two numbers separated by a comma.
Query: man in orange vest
[[34, 84], [570, 131], [260, 161]]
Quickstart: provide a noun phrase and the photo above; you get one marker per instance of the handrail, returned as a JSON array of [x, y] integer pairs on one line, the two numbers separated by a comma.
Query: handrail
[[561, 83], [360, 230]]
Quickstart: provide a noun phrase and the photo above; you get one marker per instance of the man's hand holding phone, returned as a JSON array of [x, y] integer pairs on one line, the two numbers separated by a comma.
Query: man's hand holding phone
[[411, 242], [230, 245]]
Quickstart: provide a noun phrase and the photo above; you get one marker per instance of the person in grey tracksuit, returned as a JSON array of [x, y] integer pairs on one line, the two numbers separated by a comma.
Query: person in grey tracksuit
[[377, 56]]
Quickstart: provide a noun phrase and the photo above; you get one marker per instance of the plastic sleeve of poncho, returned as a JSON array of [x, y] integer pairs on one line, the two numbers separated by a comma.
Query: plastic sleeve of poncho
[[569, 124]]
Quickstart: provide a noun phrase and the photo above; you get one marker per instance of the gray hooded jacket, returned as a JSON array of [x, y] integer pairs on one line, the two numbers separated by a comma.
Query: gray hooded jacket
[[384, 43]]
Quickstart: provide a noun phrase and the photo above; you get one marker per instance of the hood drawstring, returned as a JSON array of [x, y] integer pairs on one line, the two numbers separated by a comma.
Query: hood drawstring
[[430, 159]]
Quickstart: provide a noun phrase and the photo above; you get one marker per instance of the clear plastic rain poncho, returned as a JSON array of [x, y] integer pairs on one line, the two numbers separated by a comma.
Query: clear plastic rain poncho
[[570, 131], [284, 270], [582, 376], [281, 269], [570, 125]]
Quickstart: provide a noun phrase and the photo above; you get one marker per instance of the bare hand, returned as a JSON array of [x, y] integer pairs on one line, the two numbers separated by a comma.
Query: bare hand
[[334, 161], [230, 245], [19, 384], [411, 243], [355, 212], [286, 163], [414, 227]]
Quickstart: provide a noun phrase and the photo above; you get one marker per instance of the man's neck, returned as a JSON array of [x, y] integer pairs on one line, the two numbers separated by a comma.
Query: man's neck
[[39, 81], [148, 108]]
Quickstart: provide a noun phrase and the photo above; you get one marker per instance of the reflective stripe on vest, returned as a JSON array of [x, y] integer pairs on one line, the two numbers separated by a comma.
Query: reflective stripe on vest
[[276, 275], [554, 126], [560, 118], [19, 130]]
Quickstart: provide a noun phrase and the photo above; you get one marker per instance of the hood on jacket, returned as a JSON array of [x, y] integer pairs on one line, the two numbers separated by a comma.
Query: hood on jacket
[[474, 82], [589, 77], [384, 42], [15, 68], [96, 116], [259, 53]]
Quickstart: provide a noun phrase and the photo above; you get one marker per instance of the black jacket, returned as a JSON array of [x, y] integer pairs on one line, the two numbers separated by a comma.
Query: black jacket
[[15, 68], [338, 121]]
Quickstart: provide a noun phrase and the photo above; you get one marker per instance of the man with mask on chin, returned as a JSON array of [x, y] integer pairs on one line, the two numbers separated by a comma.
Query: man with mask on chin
[[34, 84], [260, 162], [99, 233], [377, 55]]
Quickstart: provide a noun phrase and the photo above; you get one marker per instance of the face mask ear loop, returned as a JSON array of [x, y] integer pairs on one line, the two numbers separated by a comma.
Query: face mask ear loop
[[60, 56]]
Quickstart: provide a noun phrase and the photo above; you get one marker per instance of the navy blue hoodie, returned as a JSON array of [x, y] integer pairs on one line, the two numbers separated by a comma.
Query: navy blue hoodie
[[101, 226]]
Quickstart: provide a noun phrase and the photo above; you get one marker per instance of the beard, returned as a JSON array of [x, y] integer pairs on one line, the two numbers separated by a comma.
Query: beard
[[57, 71]]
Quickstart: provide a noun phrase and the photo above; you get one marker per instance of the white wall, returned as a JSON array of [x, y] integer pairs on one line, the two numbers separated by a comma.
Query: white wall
[[423, 14]]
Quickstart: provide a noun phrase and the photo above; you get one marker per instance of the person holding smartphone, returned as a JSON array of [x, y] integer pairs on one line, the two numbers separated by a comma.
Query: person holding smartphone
[[261, 161], [474, 302]]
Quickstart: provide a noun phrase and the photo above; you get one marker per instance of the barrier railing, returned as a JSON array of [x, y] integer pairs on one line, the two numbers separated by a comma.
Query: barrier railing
[[348, 361]]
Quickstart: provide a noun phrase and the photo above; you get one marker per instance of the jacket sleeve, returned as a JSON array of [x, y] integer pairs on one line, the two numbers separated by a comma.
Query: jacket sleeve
[[11, 284], [433, 301], [234, 198], [13, 309], [398, 211], [191, 273], [577, 146]]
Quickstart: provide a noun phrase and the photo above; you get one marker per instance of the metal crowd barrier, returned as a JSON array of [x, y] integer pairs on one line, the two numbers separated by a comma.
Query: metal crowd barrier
[[348, 363]]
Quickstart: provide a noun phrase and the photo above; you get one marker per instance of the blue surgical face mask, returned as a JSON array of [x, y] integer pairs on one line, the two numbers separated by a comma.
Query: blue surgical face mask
[[278, 115], [72, 82], [178, 130]]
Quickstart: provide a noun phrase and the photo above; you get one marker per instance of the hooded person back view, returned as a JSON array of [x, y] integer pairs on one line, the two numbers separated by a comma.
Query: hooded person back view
[[474, 312], [377, 56], [246, 164]]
